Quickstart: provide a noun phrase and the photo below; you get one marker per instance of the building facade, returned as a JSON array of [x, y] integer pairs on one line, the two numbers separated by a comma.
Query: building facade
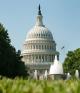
[[39, 48]]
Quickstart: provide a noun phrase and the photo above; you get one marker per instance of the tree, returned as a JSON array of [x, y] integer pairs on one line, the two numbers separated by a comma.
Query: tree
[[72, 61], [10, 60]]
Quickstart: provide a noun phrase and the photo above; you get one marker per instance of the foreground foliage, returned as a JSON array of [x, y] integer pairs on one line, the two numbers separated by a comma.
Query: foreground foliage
[[43, 86], [10, 60], [72, 61]]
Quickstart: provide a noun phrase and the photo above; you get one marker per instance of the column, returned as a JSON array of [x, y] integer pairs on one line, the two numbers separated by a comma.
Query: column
[[48, 58], [28, 58], [34, 58], [31, 58], [41, 58], [38, 58], [44, 58]]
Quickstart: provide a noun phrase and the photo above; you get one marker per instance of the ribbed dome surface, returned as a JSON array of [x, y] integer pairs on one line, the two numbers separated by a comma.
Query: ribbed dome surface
[[39, 32], [39, 45]]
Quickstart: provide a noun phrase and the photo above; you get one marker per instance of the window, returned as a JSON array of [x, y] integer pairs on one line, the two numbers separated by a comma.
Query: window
[[45, 46], [42, 46], [50, 47], [39, 57], [39, 47], [36, 57], [36, 46], [33, 46], [39, 35], [46, 35], [42, 58]]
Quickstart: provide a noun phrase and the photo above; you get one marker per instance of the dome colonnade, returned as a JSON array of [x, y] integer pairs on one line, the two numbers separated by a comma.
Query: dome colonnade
[[39, 46]]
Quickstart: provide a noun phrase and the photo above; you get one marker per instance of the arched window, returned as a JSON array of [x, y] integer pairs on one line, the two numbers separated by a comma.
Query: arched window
[[39, 56], [45, 46], [36, 57], [50, 47], [42, 58], [39, 35], [44, 35], [33, 46], [45, 57], [39, 47], [42, 46], [36, 46]]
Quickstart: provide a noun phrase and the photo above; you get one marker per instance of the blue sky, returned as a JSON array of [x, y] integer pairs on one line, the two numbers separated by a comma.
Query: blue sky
[[62, 17]]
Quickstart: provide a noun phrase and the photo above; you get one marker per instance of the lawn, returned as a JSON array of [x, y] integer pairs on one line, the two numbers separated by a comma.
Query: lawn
[[19, 85]]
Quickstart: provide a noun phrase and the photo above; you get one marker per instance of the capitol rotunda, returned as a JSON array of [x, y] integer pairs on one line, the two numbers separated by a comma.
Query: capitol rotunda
[[39, 48]]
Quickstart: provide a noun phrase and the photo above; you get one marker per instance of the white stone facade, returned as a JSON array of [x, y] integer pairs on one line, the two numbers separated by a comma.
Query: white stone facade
[[39, 47]]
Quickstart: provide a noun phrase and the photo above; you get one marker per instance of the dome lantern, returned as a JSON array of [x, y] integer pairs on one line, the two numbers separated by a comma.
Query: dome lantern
[[39, 10], [39, 21]]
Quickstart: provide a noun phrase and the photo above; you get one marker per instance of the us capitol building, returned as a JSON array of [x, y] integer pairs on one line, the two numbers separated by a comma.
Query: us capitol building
[[39, 47]]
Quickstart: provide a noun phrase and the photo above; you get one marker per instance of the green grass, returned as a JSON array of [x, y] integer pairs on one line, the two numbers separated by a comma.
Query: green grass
[[39, 86]]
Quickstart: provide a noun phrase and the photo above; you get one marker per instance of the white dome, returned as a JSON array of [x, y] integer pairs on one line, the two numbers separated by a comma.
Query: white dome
[[39, 32], [39, 45], [56, 68]]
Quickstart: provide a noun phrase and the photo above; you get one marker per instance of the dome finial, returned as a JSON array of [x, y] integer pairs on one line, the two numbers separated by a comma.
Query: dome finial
[[39, 10], [39, 7]]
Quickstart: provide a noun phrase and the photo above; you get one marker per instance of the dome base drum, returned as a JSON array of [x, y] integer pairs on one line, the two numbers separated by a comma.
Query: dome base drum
[[39, 48]]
